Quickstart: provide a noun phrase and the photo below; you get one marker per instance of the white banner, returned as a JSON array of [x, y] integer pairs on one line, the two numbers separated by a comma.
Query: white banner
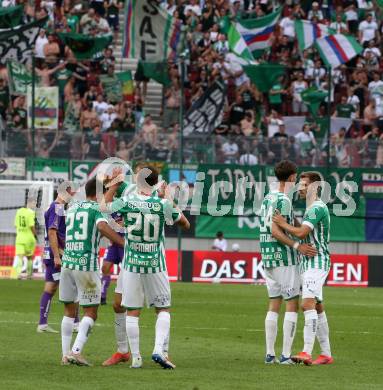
[[12, 166], [46, 107]]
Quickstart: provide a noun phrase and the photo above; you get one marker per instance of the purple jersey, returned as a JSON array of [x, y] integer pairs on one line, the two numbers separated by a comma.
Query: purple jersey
[[54, 219]]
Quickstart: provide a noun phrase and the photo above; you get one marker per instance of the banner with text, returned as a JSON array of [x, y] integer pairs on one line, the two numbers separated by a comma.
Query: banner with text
[[48, 169], [246, 267]]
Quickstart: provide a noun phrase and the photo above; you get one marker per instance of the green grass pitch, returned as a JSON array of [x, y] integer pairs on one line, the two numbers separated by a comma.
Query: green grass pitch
[[217, 342]]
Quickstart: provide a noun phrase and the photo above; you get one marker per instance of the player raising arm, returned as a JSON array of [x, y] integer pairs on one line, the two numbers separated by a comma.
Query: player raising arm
[[279, 257], [315, 229], [145, 274], [25, 237], [80, 277]]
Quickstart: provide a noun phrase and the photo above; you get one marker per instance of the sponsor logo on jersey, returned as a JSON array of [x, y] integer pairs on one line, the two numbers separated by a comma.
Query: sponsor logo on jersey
[[140, 204]]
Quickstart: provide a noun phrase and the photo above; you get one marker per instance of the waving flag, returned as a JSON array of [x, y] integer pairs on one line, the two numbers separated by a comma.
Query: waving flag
[[338, 49], [150, 33], [237, 44], [17, 42], [308, 32], [257, 32]]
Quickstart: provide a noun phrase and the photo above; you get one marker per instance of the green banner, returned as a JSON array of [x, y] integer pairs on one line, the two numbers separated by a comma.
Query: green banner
[[19, 77], [48, 169], [346, 205], [112, 87], [10, 17], [86, 47], [80, 170], [243, 188]]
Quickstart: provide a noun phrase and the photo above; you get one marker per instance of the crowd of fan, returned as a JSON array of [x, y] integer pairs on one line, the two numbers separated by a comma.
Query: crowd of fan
[[94, 125]]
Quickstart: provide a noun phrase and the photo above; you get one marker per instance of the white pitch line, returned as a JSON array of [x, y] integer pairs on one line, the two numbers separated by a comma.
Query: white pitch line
[[251, 330]]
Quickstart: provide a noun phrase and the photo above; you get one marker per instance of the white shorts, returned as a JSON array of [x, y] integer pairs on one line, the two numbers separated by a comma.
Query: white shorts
[[154, 287], [80, 286], [283, 282], [313, 281], [118, 289]]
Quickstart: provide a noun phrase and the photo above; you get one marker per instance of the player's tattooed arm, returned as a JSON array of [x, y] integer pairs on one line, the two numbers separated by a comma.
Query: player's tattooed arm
[[301, 231]]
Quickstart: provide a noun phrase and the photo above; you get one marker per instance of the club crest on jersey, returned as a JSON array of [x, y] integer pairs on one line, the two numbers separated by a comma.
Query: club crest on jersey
[[156, 207], [277, 256], [82, 260], [154, 263]]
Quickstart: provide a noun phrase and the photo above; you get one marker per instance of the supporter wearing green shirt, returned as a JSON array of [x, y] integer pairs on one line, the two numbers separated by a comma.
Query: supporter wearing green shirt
[[73, 21], [275, 95], [344, 110]]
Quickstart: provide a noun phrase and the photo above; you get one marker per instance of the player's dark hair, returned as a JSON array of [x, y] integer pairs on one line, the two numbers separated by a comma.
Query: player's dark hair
[[284, 169], [152, 179], [312, 176], [91, 187]]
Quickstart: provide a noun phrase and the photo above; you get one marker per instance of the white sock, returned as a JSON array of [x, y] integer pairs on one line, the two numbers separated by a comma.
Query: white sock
[[162, 331], [84, 328], [271, 329], [310, 330], [166, 344], [289, 329], [120, 331], [133, 332], [323, 333], [66, 334]]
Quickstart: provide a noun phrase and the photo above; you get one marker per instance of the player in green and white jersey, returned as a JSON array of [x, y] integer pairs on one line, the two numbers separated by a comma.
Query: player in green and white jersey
[[145, 274], [279, 257], [80, 276], [315, 229]]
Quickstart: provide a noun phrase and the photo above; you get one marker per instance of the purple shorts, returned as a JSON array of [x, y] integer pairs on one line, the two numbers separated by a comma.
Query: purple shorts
[[52, 274], [114, 254]]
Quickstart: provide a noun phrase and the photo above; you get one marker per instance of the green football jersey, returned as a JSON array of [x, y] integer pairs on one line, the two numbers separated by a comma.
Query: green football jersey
[[275, 254], [144, 220], [317, 218], [82, 236]]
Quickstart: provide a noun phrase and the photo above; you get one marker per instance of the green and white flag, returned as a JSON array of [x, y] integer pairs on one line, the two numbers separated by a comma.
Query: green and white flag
[[19, 78], [237, 44], [150, 33], [17, 43]]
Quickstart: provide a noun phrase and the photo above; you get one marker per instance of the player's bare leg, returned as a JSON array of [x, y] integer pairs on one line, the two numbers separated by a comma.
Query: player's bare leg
[[162, 332], [86, 324], [122, 354], [271, 328], [133, 332], [309, 332], [323, 337]]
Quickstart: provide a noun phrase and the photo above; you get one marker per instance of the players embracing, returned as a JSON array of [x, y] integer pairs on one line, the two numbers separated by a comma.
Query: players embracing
[[314, 230], [144, 275]]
